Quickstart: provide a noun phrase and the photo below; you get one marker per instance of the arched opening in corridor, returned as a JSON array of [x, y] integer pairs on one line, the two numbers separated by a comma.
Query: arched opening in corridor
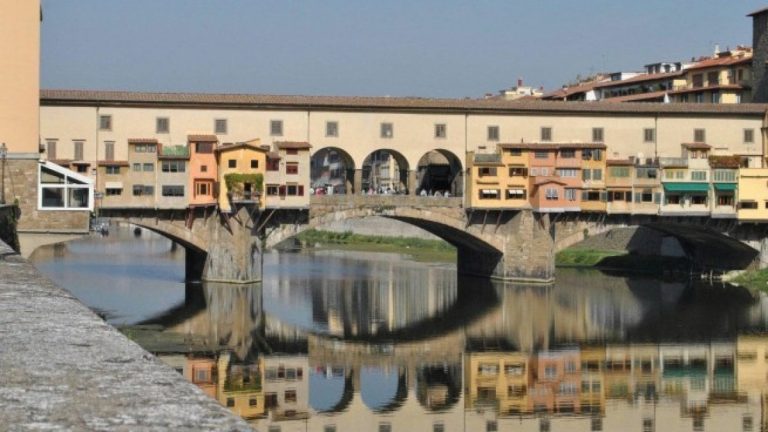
[[438, 387], [440, 172], [332, 172], [385, 172], [383, 390]]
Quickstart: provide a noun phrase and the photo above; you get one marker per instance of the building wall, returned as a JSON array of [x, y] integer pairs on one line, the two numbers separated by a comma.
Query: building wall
[[760, 57], [243, 157], [172, 179], [20, 83]]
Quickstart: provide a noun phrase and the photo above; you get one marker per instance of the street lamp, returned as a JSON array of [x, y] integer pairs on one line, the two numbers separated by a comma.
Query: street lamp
[[3, 154]]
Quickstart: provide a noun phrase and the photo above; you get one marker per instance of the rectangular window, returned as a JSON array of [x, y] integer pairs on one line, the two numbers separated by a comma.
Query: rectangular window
[[486, 171], [331, 129], [78, 150], [109, 150], [173, 191], [204, 147], [254, 163], [202, 188], [291, 151], [173, 166], [203, 168], [699, 135], [105, 122], [220, 126], [114, 191], [137, 167], [749, 136], [272, 190], [597, 135], [546, 133], [232, 163], [699, 175], [586, 175], [619, 172], [112, 169], [143, 190], [567, 173], [290, 395], [489, 194], [273, 164], [440, 130], [568, 153], [649, 135], [541, 154], [570, 194], [387, 130], [292, 168], [597, 174], [551, 193], [516, 194], [51, 148], [515, 152], [276, 127], [493, 133], [518, 172], [722, 175], [148, 167], [162, 125]]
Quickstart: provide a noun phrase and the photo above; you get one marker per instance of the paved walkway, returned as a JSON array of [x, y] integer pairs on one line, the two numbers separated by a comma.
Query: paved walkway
[[63, 368]]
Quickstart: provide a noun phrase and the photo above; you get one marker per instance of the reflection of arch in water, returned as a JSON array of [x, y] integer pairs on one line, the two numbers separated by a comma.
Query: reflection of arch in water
[[342, 387], [440, 170], [332, 168], [438, 387], [383, 392], [385, 169]]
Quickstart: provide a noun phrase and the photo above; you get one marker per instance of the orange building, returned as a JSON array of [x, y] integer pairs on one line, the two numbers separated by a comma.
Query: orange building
[[203, 170]]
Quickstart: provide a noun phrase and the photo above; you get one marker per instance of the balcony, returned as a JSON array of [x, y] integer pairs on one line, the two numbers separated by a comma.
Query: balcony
[[668, 162]]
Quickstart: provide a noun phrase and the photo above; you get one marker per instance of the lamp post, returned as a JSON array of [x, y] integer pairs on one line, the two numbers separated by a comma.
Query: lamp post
[[3, 153]]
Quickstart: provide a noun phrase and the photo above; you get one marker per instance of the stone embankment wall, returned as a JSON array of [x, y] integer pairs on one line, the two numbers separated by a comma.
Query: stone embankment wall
[[63, 368], [8, 222], [378, 226], [637, 240]]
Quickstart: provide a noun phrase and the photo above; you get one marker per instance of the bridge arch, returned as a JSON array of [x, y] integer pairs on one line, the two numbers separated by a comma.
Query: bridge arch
[[332, 169], [438, 387], [331, 394], [384, 170], [440, 170]]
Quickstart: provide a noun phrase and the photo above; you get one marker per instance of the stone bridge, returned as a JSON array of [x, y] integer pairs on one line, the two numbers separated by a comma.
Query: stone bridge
[[514, 245]]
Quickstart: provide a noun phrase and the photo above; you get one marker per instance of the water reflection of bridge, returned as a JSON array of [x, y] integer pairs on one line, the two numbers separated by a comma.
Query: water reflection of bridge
[[602, 354]]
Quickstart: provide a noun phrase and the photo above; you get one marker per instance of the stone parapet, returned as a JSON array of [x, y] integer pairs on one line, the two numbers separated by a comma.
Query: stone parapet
[[63, 368]]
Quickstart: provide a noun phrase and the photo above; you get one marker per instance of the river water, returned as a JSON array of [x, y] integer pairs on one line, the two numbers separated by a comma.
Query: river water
[[351, 341]]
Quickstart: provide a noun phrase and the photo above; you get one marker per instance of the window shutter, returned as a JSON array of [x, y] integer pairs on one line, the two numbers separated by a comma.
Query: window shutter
[[657, 198], [608, 197], [281, 190], [603, 196], [301, 190], [628, 196], [638, 197], [583, 195]]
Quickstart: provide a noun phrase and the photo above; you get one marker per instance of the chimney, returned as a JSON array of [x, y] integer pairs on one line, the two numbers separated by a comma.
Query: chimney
[[519, 82], [717, 49]]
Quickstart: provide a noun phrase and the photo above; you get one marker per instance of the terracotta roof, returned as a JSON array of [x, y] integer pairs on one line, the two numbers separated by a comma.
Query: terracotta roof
[[551, 146], [545, 180], [142, 140], [319, 103], [721, 61], [706, 88], [639, 78], [301, 145], [202, 138], [619, 162], [239, 145], [564, 92], [697, 146], [638, 97], [106, 162]]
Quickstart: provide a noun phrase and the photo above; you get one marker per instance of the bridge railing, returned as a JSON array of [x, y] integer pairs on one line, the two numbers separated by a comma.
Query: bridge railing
[[385, 201]]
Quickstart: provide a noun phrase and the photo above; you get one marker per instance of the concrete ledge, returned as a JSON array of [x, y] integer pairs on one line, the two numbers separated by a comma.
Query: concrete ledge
[[63, 368]]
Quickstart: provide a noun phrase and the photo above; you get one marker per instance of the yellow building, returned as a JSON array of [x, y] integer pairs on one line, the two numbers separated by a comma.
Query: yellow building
[[618, 184], [246, 158], [753, 194], [498, 180], [239, 387], [501, 379], [593, 166], [722, 78]]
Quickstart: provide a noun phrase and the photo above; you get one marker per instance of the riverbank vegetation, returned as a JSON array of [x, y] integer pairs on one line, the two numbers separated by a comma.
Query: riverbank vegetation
[[621, 261], [419, 249], [754, 280]]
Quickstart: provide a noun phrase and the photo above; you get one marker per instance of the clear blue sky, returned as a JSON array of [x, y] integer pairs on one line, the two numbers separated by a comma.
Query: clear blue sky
[[431, 48]]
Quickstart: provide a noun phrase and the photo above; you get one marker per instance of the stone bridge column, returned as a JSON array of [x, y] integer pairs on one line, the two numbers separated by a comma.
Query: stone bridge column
[[527, 246], [412, 182], [358, 182], [234, 248]]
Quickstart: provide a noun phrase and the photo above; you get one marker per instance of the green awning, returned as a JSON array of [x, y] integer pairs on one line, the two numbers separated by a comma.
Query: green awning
[[687, 187], [725, 187]]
